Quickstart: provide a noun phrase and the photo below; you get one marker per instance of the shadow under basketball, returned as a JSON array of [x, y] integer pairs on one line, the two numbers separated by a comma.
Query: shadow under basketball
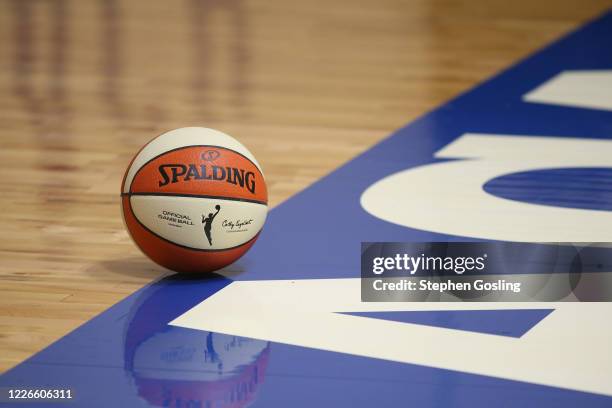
[[142, 268]]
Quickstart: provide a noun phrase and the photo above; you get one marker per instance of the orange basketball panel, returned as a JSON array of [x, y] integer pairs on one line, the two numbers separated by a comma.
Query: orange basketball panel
[[202, 170]]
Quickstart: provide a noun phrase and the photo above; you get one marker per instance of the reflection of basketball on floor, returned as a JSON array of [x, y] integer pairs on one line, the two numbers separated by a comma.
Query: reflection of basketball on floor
[[178, 367], [172, 184]]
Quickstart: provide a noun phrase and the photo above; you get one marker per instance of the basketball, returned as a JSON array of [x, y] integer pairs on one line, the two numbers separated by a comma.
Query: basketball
[[194, 199]]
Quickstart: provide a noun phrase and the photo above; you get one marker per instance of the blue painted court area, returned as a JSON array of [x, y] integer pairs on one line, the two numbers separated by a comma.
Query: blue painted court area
[[130, 356], [587, 188], [512, 323]]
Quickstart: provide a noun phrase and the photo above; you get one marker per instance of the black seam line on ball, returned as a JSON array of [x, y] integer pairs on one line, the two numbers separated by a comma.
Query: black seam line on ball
[[212, 197], [187, 147], [185, 246]]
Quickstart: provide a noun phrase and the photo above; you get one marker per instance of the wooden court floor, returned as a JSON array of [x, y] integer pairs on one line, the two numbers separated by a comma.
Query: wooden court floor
[[305, 85]]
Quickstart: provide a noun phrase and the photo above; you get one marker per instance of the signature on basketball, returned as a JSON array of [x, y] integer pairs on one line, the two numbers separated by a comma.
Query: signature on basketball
[[237, 225]]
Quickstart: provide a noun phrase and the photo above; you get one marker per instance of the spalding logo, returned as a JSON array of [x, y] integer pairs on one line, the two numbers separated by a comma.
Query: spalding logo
[[173, 173]]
